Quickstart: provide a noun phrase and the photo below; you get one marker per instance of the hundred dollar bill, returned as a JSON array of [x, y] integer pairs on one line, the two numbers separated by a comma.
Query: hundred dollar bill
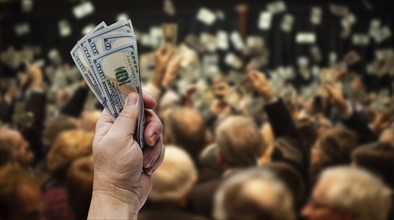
[[88, 76], [119, 72], [93, 41], [116, 40]]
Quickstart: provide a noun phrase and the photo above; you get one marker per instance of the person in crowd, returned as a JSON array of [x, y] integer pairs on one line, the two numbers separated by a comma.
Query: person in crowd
[[378, 158], [20, 148], [172, 184], [387, 135], [79, 184], [68, 146], [239, 145], [292, 179], [192, 139], [348, 193], [333, 148], [6, 152], [20, 195], [89, 120], [253, 194]]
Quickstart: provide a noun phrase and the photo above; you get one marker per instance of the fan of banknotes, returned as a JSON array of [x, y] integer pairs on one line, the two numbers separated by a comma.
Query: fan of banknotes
[[107, 58]]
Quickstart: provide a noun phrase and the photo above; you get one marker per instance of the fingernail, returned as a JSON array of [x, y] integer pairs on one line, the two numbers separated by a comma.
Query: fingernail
[[154, 138], [132, 99]]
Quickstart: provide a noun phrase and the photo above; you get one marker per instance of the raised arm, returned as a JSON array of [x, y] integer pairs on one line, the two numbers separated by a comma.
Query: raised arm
[[122, 171], [350, 118]]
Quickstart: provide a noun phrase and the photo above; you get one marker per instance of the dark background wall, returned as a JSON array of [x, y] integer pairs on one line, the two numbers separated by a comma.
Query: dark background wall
[[46, 14]]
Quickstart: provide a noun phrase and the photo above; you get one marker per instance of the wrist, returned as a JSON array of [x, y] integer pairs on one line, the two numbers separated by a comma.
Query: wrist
[[117, 192], [107, 206]]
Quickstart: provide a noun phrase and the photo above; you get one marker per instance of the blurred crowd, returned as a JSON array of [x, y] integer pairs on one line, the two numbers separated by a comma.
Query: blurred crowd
[[236, 147]]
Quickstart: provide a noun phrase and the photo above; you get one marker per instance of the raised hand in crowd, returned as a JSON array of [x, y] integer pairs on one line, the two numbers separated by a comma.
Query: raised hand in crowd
[[37, 77], [122, 170], [171, 72], [338, 99], [261, 85], [162, 58]]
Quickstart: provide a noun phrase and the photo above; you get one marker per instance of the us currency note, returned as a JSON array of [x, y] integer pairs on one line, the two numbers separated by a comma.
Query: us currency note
[[119, 73], [94, 41]]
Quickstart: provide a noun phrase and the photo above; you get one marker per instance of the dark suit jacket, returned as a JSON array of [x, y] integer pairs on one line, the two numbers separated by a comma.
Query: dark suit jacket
[[201, 198], [36, 104], [357, 124], [167, 211], [283, 127], [75, 105]]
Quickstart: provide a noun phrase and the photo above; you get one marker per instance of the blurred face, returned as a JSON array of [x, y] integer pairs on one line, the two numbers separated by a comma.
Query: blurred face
[[23, 154], [318, 207], [28, 204], [387, 137], [315, 154], [323, 125]]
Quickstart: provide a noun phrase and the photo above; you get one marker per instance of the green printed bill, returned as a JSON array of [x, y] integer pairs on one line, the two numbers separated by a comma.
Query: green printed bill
[[108, 61]]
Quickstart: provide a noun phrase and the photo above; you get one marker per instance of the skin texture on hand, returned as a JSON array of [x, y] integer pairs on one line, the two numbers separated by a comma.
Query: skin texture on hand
[[122, 171], [261, 85]]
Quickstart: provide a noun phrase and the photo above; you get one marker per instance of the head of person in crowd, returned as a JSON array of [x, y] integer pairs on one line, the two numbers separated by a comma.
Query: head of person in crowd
[[347, 193], [54, 126], [378, 158], [239, 142], [185, 127], [68, 146], [79, 185], [174, 180], [322, 124], [21, 151], [287, 150], [6, 151], [387, 136], [253, 194], [292, 179], [20, 195], [333, 147], [89, 120]]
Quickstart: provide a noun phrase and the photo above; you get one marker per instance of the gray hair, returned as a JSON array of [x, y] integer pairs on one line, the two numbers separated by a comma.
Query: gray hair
[[175, 178], [357, 190], [239, 141], [253, 194]]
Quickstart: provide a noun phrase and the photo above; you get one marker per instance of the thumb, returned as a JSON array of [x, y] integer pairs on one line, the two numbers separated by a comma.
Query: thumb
[[126, 122]]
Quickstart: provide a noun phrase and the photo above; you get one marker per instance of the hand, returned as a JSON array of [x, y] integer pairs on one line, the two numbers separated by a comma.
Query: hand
[[172, 71], [220, 89], [120, 185], [335, 92], [261, 85], [35, 73], [162, 58]]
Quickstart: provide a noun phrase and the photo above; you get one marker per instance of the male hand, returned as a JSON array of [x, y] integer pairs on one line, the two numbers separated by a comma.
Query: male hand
[[335, 92], [261, 85], [35, 73], [172, 71], [120, 185], [162, 57]]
